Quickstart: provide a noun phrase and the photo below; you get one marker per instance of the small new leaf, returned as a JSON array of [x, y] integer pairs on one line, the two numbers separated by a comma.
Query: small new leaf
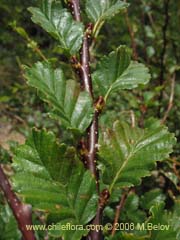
[[60, 24], [129, 154], [100, 10], [72, 107], [116, 71]]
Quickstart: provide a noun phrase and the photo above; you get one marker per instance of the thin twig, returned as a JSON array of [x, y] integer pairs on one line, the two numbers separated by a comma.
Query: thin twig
[[33, 46], [163, 52], [131, 33], [174, 160], [40, 53], [42, 220], [119, 208], [164, 36], [22, 212], [133, 121], [86, 82], [132, 117], [149, 14], [171, 99], [90, 145]]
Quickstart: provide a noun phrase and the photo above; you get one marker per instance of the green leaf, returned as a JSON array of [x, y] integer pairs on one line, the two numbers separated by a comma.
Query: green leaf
[[128, 154], [160, 217], [100, 10], [72, 107], [42, 170], [79, 190], [175, 218], [8, 227], [82, 198], [151, 198], [126, 236], [116, 71], [60, 24], [48, 179], [171, 176], [160, 225], [37, 155], [131, 210], [66, 231]]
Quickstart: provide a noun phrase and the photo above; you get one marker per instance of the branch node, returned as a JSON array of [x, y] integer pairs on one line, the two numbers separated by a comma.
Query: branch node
[[99, 104]]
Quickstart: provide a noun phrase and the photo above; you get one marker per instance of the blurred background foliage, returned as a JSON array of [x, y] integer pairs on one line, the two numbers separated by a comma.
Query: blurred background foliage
[[149, 28]]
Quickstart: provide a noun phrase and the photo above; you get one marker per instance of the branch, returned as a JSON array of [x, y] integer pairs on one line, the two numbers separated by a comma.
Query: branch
[[75, 9], [131, 33], [83, 68], [149, 14], [85, 61], [119, 207], [164, 32], [163, 52], [90, 145], [21, 212], [133, 120], [171, 99], [103, 199]]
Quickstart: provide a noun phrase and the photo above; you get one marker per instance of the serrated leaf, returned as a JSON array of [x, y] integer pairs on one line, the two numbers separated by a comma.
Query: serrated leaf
[[67, 233], [72, 107], [100, 10], [171, 176], [159, 226], [126, 236], [175, 218], [61, 188], [160, 217], [152, 198], [129, 154], [80, 187], [60, 24], [42, 170], [116, 71], [131, 211], [37, 155]]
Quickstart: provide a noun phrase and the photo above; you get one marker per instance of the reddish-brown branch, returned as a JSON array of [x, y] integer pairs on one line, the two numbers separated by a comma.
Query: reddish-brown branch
[[92, 140], [22, 212], [92, 131], [85, 67], [89, 146], [85, 74], [103, 199], [119, 207], [75, 9]]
